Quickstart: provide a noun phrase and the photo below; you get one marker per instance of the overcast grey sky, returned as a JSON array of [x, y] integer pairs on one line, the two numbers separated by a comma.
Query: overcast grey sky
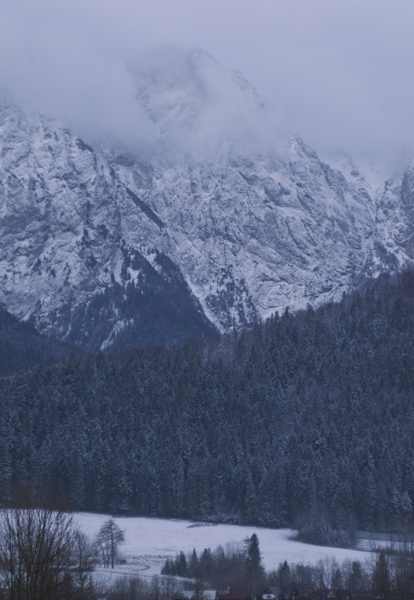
[[340, 72]]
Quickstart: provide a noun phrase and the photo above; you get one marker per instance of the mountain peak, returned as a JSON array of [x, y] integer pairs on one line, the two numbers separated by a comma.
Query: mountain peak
[[195, 103], [106, 249]]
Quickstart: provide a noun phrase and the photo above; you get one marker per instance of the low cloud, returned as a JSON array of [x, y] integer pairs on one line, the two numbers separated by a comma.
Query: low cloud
[[197, 106], [55, 73], [338, 74]]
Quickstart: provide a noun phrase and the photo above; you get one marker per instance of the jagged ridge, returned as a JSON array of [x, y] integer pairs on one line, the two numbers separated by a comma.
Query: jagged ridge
[[106, 248]]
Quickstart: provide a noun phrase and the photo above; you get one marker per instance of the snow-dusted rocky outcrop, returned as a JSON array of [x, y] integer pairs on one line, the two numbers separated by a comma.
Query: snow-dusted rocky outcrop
[[217, 224], [81, 256]]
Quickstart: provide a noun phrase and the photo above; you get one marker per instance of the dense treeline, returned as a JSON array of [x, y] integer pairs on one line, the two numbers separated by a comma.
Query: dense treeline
[[389, 575], [235, 564], [303, 419]]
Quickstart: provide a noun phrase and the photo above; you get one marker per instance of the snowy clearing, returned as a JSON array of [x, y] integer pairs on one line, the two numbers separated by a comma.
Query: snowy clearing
[[149, 542]]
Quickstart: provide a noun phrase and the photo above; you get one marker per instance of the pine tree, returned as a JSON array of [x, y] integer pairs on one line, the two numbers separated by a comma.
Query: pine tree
[[381, 581], [284, 576], [254, 569]]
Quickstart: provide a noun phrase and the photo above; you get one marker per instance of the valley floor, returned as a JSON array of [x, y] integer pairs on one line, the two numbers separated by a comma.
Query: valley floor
[[149, 542]]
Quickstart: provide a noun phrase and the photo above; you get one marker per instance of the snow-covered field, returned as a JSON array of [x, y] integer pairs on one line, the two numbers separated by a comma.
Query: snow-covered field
[[149, 542]]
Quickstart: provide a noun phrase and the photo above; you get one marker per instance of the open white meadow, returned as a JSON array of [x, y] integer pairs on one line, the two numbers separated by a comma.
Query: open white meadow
[[149, 542]]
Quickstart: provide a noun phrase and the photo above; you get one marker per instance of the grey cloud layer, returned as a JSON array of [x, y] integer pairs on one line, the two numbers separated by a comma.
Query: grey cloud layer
[[339, 73]]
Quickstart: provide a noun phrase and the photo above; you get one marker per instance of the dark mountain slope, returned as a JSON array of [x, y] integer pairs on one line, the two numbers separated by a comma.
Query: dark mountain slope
[[22, 347]]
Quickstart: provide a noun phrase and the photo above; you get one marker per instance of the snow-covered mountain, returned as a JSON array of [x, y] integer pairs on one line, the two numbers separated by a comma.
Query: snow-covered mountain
[[81, 256], [218, 222]]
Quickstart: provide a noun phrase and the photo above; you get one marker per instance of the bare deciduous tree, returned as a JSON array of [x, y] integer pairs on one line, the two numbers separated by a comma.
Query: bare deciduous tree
[[40, 557], [109, 537]]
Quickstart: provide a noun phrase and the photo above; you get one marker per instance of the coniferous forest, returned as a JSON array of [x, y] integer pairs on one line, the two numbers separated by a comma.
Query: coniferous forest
[[305, 420]]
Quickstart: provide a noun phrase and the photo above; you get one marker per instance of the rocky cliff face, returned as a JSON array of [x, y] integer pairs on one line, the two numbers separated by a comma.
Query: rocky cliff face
[[81, 256], [107, 248], [257, 234]]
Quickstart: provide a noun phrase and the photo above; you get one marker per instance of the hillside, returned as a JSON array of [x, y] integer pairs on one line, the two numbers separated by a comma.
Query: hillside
[[303, 418], [22, 347]]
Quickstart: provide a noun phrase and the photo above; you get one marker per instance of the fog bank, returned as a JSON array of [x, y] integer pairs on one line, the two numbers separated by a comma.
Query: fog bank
[[338, 74]]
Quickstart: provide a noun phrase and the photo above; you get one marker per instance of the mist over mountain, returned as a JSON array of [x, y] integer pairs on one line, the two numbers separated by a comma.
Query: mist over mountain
[[215, 222], [337, 73], [199, 108]]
